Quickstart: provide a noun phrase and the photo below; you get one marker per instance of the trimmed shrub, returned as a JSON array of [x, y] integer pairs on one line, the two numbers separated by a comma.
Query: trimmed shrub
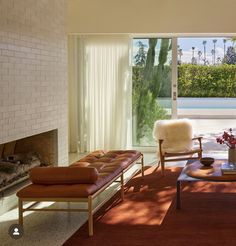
[[206, 81]]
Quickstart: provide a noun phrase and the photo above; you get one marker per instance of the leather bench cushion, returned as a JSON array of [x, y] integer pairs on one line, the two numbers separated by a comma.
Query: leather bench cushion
[[68, 190], [108, 164], [57, 191], [98, 165], [63, 175], [122, 158]]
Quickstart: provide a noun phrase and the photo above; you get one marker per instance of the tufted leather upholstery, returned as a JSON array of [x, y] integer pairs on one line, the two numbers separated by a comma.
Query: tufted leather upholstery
[[63, 175], [108, 164], [103, 160]]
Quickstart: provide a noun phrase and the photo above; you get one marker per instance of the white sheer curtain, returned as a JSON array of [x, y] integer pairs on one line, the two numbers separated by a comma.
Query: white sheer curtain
[[104, 92]]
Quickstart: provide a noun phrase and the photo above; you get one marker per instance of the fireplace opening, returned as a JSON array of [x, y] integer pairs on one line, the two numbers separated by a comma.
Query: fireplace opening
[[18, 157]]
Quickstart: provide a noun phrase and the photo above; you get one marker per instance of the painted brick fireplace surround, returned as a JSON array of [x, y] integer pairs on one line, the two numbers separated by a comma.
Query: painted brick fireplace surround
[[33, 71]]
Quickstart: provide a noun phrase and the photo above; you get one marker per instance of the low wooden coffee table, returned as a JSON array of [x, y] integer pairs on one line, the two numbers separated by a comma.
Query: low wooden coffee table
[[195, 171]]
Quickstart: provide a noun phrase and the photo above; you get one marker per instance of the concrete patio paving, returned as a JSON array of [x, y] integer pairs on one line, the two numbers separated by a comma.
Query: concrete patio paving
[[210, 129]]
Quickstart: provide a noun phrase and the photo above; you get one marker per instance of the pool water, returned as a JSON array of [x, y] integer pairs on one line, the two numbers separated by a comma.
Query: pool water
[[200, 103]]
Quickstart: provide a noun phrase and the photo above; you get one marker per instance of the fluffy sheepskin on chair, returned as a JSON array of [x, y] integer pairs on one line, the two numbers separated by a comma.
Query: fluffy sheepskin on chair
[[177, 135]]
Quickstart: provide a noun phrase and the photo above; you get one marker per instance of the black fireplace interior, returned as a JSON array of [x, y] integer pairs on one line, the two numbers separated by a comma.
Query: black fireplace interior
[[18, 157], [16, 166]]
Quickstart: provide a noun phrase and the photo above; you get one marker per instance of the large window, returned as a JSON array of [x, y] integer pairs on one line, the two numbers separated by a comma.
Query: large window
[[206, 76], [207, 86], [206, 81]]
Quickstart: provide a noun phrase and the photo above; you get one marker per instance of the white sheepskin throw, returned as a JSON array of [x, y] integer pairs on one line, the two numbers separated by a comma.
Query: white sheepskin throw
[[177, 134]]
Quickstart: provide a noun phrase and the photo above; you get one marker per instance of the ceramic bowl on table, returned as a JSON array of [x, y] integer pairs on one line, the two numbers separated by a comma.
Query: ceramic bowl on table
[[207, 161]]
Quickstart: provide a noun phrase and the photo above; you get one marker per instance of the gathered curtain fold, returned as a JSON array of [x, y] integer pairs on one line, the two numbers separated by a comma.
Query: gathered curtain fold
[[103, 88]]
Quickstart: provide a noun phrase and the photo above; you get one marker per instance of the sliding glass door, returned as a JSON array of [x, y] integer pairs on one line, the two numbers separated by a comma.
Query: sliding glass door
[[207, 86], [152, 83], [190, 77]]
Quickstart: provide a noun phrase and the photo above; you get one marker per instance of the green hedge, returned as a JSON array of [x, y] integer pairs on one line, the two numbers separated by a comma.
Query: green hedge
[[206, 81], [196, 81]]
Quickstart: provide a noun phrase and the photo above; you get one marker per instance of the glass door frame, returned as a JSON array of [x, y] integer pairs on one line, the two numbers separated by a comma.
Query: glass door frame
[[174, 78]]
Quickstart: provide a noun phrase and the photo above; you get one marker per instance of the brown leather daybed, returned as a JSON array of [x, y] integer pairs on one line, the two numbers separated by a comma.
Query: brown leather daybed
[[83, 181]]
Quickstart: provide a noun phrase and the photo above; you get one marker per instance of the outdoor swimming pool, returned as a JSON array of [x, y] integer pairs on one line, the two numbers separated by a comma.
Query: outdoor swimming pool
[[200, 103]]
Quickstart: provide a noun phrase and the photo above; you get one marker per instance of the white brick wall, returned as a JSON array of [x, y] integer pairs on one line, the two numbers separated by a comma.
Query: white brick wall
[[33, 70]]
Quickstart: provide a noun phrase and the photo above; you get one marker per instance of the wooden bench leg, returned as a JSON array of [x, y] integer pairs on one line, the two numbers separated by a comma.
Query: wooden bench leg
[[20, 212], [122, 186], [162, 158], [162, 166], [90, 215], [199, 155], [142, 166]]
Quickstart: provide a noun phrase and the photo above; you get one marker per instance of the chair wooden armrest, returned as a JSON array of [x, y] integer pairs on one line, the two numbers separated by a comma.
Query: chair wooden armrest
[[197, 138], [200, 143], [160, 141], [181, 153]]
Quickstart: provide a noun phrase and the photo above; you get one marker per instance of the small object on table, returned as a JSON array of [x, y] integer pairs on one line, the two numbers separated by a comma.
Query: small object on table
[[207, 161], [228, 168]]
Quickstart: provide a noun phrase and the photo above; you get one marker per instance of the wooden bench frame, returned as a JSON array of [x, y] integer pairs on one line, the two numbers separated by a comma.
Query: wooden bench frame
[[89, 200]]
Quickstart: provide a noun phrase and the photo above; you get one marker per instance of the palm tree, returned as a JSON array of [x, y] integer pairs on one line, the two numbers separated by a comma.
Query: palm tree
[[224, 41], [204, 45], [193, 58], [233, 39], [199, 56], [214, 54], [180, 53]]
